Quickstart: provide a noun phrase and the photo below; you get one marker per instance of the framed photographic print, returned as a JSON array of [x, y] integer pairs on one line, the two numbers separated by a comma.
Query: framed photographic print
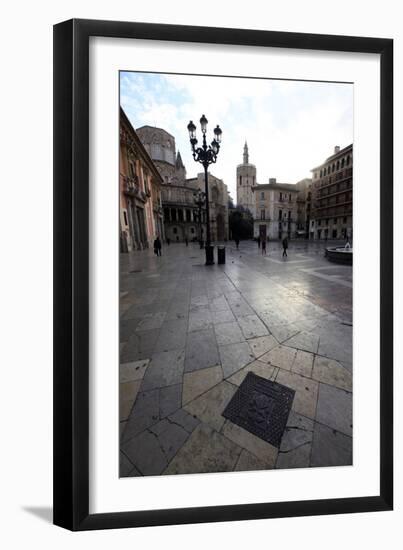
[[223, 274]]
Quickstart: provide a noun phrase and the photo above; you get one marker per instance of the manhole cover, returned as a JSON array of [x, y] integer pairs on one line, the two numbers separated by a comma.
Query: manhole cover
[[261, 407]]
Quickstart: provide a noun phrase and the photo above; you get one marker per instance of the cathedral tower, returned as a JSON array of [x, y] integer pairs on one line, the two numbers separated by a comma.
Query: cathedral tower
[[245, 180]]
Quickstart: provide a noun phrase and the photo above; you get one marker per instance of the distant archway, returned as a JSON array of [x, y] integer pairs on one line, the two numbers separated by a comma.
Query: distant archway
[[220, 227]]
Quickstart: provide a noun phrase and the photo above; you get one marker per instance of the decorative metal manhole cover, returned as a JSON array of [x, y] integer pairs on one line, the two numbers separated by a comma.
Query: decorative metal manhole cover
[[261, 407]]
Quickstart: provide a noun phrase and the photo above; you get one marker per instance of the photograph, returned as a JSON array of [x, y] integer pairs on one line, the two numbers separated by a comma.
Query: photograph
[[235, 281]]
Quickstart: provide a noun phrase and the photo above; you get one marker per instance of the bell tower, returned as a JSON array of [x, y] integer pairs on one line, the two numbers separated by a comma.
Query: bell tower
[[245, 180], [245, 153]]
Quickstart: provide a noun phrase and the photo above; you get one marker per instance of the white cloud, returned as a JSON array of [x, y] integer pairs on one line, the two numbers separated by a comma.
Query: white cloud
[[290, 126]]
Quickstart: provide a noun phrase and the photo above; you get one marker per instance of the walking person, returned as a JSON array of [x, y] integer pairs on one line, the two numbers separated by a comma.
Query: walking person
[[264, 247], [237, 242], [285, 246], [157, 246]]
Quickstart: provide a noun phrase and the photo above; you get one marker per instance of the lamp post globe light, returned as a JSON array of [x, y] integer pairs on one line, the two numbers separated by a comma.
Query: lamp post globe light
[[199, 200], [206, 155]]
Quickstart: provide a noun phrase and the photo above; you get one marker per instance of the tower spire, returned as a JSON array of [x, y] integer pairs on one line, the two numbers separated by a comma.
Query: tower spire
[[245, 154]]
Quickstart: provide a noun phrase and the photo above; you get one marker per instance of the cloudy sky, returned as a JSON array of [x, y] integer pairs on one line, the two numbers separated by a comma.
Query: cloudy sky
[[290, 126]]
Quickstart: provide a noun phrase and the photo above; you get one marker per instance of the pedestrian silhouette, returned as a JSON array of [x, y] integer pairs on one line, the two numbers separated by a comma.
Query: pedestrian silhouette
[[157, 246], [285, 246], [263, 247], [237, 242]]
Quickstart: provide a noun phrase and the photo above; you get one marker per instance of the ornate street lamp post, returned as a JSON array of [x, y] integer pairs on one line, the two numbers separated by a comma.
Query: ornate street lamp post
[[206, 155], [199, 199]]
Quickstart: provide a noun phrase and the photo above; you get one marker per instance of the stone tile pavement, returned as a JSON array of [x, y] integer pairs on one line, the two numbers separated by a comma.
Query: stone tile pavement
[[189, 334]]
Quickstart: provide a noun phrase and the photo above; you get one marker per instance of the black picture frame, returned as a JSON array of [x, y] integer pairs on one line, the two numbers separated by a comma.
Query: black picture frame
[[71, 274]]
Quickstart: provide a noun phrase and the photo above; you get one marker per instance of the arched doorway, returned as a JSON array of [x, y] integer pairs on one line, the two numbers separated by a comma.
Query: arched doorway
[[220, 227]]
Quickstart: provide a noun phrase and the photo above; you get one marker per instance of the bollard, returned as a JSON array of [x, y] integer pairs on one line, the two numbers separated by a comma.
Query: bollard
[[221, 254]]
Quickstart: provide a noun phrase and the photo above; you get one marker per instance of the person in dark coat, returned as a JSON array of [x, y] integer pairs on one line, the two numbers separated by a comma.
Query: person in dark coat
[[285, 246], [237, 242], [157, 246], [263, 247]]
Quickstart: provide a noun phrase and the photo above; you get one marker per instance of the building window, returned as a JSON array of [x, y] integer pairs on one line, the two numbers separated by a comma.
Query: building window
[[175, 230], [335, 220], [348, 160], [192, 229], [180, 215], [157, 152], [345, 219], [125, 217], [327, 222], [281, 196], [319, 222], [280, 214], [342, 162], [188, 215], [262, 195], [262, 214], [240, 180], [334, 234]]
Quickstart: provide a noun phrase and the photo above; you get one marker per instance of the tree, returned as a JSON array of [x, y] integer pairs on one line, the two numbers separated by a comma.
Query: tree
[[240, 223]]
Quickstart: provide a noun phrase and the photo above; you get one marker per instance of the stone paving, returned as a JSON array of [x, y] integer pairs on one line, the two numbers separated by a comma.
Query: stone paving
[[189, 334]]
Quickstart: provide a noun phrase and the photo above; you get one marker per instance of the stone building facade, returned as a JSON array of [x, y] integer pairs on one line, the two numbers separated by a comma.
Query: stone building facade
[[140, 212], [332, 196], [181, 215], [304, 207], [182, 218], [245, 181], [218, 195], [275, 210], [160, 145]]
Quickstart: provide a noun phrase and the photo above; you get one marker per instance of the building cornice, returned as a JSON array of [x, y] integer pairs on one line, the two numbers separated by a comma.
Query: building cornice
[[133, 140]]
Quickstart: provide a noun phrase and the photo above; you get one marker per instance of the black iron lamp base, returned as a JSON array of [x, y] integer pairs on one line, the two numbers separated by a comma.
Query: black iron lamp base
[[209, 255]]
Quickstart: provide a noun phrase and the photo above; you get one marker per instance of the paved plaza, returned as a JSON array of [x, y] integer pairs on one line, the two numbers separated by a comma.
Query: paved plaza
[[189, 334]]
